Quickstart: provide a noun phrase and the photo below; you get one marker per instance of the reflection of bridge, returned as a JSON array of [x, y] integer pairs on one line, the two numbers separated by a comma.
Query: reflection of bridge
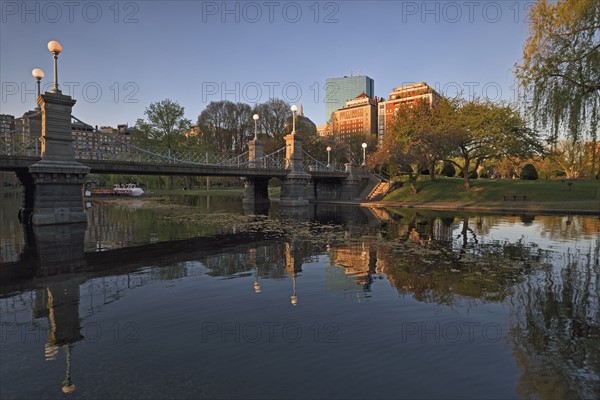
[[52, 168]]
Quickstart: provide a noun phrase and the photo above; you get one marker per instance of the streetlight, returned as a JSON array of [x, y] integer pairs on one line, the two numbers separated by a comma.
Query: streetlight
[[364, 147], [38, 74], [294, 109], [328, 153], [55, 48], [255, 117]]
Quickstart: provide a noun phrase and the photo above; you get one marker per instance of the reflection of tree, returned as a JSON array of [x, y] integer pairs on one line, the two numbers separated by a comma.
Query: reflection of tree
[[556, 332], [568, 227], [433, 266]]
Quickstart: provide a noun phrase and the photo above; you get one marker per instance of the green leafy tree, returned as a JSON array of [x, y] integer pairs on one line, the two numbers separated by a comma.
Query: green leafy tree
[[166, 123], [487, 131], [529, 173], [419, 136], [560, 70]]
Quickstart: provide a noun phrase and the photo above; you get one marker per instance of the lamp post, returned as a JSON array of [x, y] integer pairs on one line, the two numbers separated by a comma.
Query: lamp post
[[38, 74], [294, 109], [364, 147], [328, 154], [255, 117], [55, 48]]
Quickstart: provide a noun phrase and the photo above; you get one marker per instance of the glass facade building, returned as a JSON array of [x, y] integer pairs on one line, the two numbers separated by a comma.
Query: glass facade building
[[339, 90]]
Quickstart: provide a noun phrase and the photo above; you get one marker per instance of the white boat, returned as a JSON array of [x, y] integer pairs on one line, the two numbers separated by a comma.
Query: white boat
[[129, 189]]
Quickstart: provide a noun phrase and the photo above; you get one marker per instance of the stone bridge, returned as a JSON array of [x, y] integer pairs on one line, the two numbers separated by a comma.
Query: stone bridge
[[52, 172]]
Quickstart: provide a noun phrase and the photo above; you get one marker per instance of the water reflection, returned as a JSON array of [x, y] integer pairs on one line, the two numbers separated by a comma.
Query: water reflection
[[300, 264]]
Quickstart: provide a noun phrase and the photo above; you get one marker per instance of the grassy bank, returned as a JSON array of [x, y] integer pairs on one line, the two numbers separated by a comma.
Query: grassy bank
[[556, 194]]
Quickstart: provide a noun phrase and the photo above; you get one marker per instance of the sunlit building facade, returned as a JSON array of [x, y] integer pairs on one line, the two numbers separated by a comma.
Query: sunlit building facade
[[402, 96], [358, 116]]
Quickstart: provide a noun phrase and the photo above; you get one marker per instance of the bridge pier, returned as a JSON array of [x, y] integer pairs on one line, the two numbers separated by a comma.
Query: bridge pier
[[27, 196], [295, 185], [256, 191], [58, 178], [353, 184]]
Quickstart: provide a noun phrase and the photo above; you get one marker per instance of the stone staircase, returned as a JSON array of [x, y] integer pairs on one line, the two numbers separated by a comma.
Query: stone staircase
[[376, 188], [379, 191]]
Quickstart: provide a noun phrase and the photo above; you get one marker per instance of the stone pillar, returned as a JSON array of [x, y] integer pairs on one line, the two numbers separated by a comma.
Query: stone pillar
[[58, 177], [351, 185], [294, 184], [255, 151], [27, 196], [256, 191]]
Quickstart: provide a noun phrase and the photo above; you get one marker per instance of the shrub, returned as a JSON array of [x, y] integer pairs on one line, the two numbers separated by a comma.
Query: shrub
[[473, 175], [448, 170], [529, 173]]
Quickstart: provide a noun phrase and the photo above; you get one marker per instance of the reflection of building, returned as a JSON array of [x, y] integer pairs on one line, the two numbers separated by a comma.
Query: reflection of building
[[357, 117], [403, 96], [340, 90], [357, 259]]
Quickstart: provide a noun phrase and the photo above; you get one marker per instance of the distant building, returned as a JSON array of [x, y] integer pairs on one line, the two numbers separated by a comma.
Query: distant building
[[358, 116], [192, 132], [96, 143], [7, 124], [339, 90], [29, 124], [324, 130], [402, 96]]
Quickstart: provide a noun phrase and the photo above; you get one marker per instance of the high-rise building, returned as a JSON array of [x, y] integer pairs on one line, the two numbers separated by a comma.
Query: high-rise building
[[339, 90], [403, 96], [359, 116]]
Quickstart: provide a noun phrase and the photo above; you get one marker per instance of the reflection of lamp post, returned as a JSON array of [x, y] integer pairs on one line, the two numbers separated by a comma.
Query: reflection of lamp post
[[68, 385], [38, 74], [294, 298], [328, 153], [255, 117], [256, 283], [364, 147], [294, 109], [55, 48]]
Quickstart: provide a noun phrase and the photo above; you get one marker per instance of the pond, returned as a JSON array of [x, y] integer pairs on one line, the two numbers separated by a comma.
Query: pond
[[196, 297]]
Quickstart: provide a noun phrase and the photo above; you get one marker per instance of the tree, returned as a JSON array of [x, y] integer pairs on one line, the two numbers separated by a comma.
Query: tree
[[226, 126], [529, 173], [273, 117], [560, 70], [419, 136], [166, 122], [485, 131]]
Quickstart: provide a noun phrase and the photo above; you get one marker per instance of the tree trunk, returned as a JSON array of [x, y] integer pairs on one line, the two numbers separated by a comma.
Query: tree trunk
[[466, 174], [432, 171]]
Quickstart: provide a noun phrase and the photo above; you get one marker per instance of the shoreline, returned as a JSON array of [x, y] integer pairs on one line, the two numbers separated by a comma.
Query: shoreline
[[496, 209], [450, 206]]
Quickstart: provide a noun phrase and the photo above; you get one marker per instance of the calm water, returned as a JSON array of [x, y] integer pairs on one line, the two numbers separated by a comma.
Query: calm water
[[193, 297]]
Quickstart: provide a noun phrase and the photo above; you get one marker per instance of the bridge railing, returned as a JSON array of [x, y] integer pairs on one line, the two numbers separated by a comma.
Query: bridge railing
[[92, 144], [20, 143], [312, 164], [274, 160]]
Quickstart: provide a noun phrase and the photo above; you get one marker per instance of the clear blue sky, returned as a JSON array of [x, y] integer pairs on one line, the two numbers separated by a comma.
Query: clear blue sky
[[119, 57]]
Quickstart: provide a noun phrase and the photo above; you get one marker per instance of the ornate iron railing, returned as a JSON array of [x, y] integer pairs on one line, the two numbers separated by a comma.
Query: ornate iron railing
[[312, 164], [95, 145]]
